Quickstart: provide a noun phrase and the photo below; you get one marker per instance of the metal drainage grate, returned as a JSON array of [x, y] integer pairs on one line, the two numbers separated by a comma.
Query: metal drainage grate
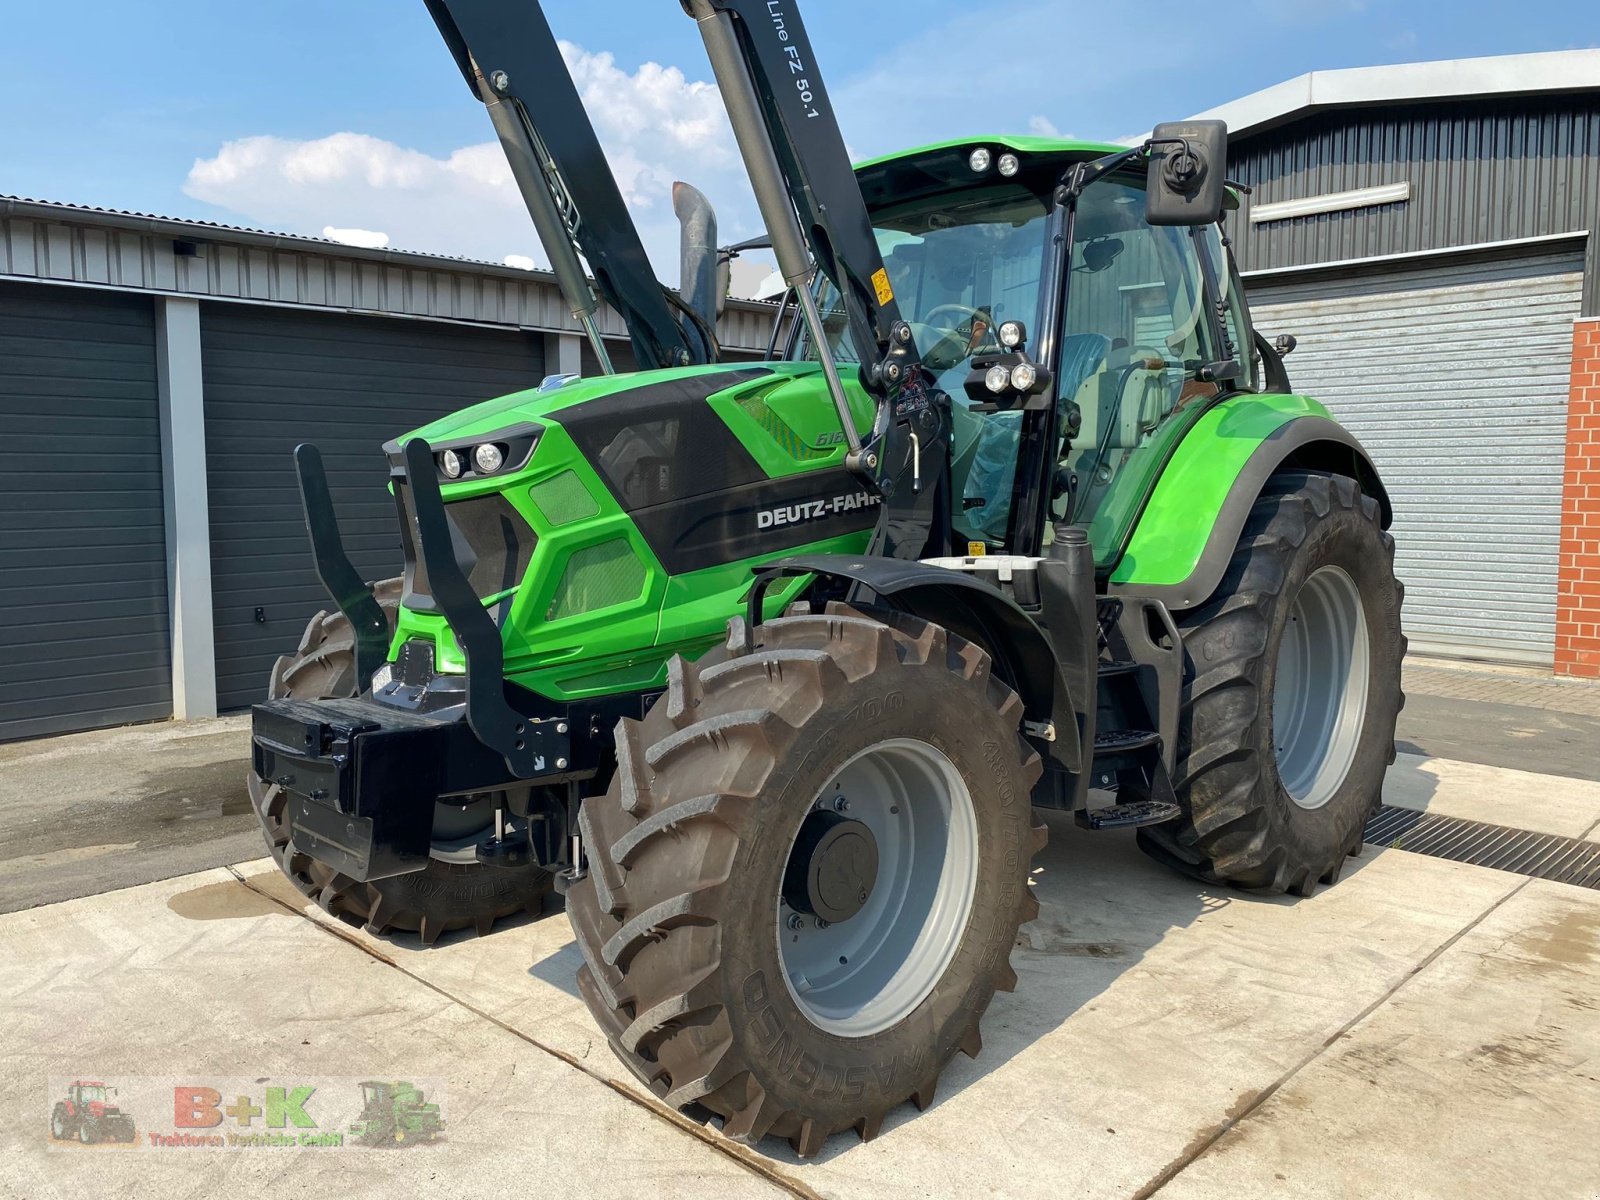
[[1541, 855]]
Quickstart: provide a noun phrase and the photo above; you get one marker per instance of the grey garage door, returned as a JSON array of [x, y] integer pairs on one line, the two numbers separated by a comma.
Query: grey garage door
[[274, 378], [1455, 378], [83, 577]]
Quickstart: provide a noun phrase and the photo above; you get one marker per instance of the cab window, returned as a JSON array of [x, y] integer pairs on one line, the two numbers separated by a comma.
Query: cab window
[[1135, 335]]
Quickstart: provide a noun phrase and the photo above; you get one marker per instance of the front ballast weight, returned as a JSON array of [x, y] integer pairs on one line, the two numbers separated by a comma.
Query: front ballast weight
[[363, 774]]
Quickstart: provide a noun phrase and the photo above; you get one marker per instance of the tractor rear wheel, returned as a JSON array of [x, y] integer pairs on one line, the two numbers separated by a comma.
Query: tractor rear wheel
[[60, 1123], [1291, 692], [453, 891], [806, 878]]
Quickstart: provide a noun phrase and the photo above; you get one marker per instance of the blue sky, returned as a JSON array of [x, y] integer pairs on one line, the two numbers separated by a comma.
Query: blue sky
[[299, 116]]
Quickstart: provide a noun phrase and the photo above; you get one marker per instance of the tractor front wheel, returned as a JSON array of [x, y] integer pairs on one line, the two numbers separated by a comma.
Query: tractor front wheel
[[453, 891], [60, 1123], [1291, 692], [806, 878]]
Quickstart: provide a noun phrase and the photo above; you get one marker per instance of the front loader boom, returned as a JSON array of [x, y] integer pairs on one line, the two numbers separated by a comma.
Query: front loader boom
[[511, 62], [814, 211]]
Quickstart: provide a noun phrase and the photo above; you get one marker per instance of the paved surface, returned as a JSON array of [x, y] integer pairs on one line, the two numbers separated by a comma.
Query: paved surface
[[1522, 687], [89, 812], [1424, 1028]]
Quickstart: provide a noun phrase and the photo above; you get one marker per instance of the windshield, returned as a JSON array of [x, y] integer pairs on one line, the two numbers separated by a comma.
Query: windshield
[[92, 1093], [960, 263]]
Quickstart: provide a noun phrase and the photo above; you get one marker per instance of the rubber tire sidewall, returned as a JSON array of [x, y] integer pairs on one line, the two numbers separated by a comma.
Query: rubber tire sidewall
[[1342, 538], [800, 1063]]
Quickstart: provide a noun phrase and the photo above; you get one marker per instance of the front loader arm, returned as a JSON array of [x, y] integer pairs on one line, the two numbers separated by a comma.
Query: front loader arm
[[511, 62], [813, 209]]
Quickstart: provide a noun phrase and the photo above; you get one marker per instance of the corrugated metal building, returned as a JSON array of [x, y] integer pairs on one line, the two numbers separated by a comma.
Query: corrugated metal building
[[155, 375], [1425, 232]]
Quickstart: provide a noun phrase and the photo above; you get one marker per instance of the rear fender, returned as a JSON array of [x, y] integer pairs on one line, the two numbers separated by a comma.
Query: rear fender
[[1023, 655], [1185, 537]]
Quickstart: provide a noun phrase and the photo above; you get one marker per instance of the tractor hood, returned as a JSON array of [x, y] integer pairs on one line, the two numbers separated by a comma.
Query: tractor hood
[[536, 404]]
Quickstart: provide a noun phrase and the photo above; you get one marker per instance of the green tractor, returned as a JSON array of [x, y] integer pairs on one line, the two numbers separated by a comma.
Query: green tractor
[[770, 666], [395, 1113]]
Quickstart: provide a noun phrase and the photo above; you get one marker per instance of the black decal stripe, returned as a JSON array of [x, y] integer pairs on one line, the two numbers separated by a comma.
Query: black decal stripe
[[661, 441], [707, 531], [693, 490]]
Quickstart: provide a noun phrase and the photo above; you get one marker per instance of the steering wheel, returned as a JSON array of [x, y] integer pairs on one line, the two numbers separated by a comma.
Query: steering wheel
[[947, 344]]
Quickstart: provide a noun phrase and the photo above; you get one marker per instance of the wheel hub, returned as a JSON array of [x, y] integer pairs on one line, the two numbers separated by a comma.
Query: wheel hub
[[832, 868]]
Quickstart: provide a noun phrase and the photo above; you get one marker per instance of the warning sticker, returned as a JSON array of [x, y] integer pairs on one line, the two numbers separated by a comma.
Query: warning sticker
[[880, 284]]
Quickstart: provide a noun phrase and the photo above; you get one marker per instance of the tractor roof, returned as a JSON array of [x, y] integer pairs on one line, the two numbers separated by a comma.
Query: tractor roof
[[1065, 147]]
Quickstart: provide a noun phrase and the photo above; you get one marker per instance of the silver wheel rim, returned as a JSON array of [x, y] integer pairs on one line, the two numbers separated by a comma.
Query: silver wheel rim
[[1320, 691], [859, 977]]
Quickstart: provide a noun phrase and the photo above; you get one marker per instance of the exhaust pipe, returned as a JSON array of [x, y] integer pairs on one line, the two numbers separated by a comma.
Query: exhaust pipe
[[698, 275]]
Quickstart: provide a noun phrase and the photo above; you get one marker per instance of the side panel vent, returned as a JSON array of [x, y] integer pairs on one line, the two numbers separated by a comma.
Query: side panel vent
[[563, 499], [597, 577]]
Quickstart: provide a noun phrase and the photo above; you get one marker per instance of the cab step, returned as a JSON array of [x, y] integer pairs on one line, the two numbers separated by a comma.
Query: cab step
[[1111, 668], [1124, 741], [1127, 816]]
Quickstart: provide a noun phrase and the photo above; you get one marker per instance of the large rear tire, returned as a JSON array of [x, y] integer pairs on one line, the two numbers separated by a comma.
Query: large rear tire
[[870, 769], [443, 896], [1291, 693]]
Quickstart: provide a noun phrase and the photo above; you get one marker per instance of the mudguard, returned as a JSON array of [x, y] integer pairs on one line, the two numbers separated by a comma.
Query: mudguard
[[1182, 542], [975, 610]]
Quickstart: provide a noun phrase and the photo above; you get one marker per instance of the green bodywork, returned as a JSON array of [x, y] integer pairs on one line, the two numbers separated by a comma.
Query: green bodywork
[[1197, 462], [570, 650], [597, 614]]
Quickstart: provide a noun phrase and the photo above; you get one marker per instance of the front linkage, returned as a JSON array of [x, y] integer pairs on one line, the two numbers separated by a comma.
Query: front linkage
[[362, 775]]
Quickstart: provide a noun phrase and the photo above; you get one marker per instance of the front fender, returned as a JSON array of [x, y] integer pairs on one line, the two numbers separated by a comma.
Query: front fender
[[977, 611], [1186, 535]]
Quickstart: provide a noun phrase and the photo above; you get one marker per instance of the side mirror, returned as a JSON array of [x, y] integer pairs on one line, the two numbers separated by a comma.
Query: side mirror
[[1187, 173], [1284, 344]]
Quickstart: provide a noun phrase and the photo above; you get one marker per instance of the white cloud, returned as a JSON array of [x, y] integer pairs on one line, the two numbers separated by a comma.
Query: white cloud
[[521, 261], [1042, 127], [655, 124], [372, 239]]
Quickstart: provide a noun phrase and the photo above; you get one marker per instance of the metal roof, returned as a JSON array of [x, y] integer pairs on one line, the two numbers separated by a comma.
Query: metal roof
[[1450, 79], [190, 229]]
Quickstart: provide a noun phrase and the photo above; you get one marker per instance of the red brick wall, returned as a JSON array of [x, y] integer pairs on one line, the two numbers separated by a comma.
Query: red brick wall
[[1578, 584]]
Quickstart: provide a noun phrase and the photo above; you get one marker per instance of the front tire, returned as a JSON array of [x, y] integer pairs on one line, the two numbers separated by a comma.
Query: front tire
[[444, 895], [827, 734], [1291, 693]]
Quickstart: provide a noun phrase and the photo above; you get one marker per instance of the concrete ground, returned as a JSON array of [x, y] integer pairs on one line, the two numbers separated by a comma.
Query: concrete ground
[[1424, 1028]]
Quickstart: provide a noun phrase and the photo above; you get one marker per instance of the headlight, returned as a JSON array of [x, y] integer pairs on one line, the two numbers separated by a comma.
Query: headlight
[[1023, 376], [488, 458], [996, 379], [979, 160], [1009, 165], [1012, 334], [450, 463]]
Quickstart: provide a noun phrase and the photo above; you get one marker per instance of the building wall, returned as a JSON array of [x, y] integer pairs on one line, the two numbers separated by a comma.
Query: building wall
[[1480, 171], [1578, 587]]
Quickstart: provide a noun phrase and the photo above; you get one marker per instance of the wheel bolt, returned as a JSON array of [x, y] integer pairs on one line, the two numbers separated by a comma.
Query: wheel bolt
[[840, 804], [796, 922]]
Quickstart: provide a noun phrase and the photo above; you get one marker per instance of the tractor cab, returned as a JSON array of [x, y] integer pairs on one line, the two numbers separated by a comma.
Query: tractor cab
[[1117, 322]]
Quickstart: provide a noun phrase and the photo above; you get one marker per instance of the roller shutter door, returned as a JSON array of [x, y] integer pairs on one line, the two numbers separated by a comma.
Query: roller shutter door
[[1455, 378], [84, 640], [275, 378]]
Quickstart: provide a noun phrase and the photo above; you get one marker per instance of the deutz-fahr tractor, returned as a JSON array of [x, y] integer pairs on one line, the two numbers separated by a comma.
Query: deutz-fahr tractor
[[394, 1113], [89, 1114], [770, 666]]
